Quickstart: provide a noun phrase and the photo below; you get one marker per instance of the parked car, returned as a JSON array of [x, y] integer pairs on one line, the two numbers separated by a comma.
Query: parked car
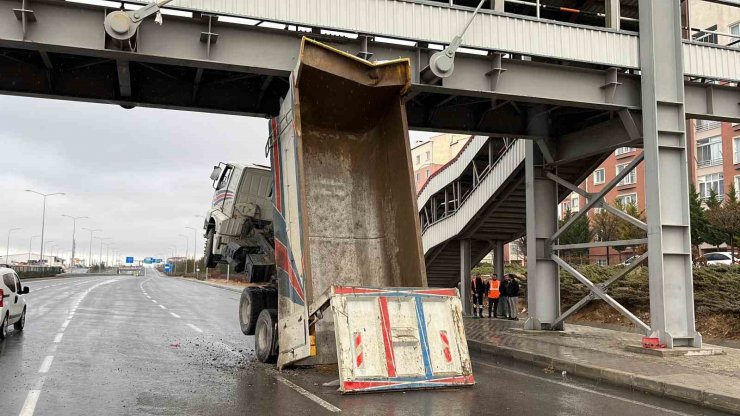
[[12, 303], [720, 257]]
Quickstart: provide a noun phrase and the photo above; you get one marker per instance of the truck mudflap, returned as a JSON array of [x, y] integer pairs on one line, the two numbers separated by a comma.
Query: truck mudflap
[[399, 339]]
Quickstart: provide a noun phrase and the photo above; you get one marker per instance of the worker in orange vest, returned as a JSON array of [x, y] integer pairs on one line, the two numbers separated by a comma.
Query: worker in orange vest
[[493, 295]]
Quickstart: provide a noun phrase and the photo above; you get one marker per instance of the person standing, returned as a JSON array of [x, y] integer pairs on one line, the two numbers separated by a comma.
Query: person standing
[[513, 297], [479, 289], [493, 295], [503, 303]]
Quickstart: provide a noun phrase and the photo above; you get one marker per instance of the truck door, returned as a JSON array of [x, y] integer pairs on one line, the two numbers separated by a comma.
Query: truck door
[[12, 300], [222, 193]]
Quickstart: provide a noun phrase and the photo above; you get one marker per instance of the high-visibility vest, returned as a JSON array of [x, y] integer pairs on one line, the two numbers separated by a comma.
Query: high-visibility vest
[[493, 292]]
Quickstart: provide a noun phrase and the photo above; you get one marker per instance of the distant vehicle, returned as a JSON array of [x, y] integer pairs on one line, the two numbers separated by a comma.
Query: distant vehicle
[[12, 303], [720, 258]]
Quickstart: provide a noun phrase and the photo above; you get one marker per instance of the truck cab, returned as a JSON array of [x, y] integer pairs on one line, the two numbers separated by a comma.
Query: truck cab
[[238, 225]]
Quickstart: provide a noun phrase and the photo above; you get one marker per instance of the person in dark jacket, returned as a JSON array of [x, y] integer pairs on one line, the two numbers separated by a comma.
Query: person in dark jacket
[[503, 303], [479, 290], [512, 296]]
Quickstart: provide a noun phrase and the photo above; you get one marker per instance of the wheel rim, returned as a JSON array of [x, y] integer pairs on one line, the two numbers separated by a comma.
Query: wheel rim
[[262, 337], [4, 326], [246, 311]]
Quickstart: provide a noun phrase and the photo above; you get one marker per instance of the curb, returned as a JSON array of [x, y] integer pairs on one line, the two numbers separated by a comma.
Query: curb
[[684, 393], [232, 289]]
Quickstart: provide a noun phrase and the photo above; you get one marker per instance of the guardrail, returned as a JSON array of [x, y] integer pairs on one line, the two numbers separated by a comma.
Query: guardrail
[[37, 271]]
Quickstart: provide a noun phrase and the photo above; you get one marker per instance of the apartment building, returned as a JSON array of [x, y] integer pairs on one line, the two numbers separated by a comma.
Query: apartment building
[[429, 156]]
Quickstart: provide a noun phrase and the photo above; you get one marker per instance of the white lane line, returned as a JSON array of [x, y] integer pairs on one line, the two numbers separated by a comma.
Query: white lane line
[[174, 315], [148, 297], [58, 338], [154, 301], [195, 328], [307, 394], [162, 306], [65, 324], [30, 404], [46, 364], [586, 390]]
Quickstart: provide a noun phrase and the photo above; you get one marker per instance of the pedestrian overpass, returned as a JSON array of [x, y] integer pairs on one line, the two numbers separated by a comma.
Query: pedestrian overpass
[[569, 90]]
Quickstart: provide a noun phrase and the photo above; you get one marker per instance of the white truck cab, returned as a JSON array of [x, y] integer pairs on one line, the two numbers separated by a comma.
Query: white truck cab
[[12, 303], [238, 225]]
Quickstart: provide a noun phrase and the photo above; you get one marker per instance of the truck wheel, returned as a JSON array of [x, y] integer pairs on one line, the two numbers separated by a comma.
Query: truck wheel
[[21, 322], [208, 257], [266, 340], [251, 304], [271, 297]]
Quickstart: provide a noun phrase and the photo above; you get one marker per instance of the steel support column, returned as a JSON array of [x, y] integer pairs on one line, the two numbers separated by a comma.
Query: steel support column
[[498, 258], [543, 282], [612, 8], [666, 174], [465, 294]]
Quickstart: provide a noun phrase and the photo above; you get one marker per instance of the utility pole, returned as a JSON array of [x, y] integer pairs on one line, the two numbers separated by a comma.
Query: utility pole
[[89, 255], [195, 244], [7, 248], [74, 231], [30, 246], [43, 216], [101, 250]]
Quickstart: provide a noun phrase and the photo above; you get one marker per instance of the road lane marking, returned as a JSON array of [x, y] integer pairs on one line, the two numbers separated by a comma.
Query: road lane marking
[[584, 389], [46, 364], [162, 306], [195, 328], [65, 324], [30, 404], [58, 338], [307, 394], [174, 315], [154, 301]]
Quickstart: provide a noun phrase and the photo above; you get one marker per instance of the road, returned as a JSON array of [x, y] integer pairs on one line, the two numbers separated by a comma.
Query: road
[[155, 345]]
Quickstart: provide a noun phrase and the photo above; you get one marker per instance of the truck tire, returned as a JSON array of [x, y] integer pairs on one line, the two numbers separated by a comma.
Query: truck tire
[[251, 304], [21, 322], [209, 259], [271, 297], [266, 340], [4, 327]]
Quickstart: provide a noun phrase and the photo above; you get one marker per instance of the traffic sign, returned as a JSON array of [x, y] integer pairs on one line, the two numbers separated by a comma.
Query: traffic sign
[[148, 260], [129, 260]]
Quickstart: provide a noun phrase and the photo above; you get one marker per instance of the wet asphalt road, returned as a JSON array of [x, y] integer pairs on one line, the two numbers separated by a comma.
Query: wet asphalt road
[[152, 345]]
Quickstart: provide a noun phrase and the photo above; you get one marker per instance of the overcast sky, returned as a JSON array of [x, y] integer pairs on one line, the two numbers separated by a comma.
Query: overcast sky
[[141, 175]]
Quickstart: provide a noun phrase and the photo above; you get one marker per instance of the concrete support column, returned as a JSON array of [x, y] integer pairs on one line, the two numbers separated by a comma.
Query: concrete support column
[[465, 294], [612, 14], [666, 175], [543, 282], [498, 259]]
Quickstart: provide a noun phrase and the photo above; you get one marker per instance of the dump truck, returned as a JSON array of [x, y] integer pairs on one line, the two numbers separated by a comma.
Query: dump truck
[[335, 261]]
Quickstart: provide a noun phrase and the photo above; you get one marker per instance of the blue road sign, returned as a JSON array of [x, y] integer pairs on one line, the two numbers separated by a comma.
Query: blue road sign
[[148, 260], [129, 260], [157, 261]]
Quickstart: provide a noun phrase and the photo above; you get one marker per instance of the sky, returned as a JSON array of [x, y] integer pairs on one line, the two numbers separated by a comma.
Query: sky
[[141, 175]]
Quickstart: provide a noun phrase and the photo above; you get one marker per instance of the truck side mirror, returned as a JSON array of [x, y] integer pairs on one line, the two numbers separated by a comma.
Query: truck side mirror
[[216, 173]]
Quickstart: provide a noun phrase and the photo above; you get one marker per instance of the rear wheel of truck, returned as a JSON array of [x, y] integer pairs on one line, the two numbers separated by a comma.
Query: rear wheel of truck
[[251, 304], [209, 257], [265, 340]]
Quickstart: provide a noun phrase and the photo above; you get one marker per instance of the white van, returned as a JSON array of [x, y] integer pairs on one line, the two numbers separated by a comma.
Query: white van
[[12, 303]]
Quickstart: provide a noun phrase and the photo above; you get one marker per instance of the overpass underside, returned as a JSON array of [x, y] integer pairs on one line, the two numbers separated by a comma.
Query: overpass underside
[[569, 93]]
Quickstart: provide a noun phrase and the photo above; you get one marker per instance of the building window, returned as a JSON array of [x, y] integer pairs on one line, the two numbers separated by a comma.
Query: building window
[[602, 262], [629, 199], [709, 151], [706, 37], [428, 153], [427, 173], [708, 183], [737, 185], [576, 204], [631, 177], [599, 176], [598, 210], [417, 177], [736, 143], [566, 207], [623, 150], [418, 159], [735, 30]]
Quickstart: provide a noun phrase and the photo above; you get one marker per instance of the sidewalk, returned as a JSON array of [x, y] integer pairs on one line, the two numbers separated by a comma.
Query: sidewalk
[[600, 354]]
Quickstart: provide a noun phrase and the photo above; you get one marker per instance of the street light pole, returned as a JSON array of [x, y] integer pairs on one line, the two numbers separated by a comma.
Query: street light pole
[[43, 215], [42, 247], [7, 248], [195, 244], [101, 249], [74, 231], [30, 246], [89, 255]]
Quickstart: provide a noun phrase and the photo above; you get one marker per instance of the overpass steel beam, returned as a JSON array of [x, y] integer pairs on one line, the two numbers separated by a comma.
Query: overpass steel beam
[[465, 269], [73, 29], [667, 188]]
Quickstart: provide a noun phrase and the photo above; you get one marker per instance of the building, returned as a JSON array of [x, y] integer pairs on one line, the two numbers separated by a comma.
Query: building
[[429, 156]]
